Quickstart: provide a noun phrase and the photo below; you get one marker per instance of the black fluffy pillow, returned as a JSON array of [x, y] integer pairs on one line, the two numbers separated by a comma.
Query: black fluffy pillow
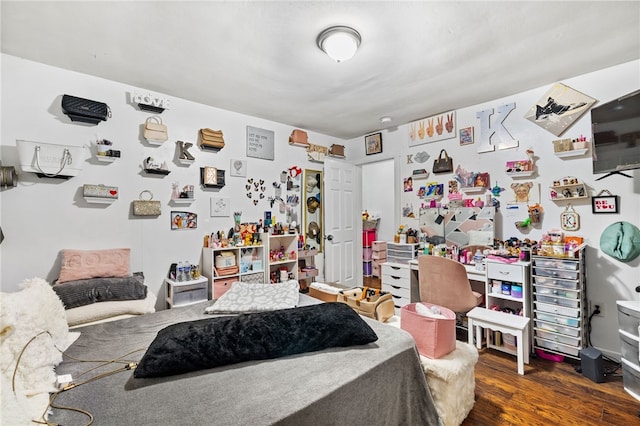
[[208, 343], [92, 290]]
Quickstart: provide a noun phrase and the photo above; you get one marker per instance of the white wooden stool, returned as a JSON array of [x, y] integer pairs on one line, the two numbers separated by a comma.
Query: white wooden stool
[[505, 323]]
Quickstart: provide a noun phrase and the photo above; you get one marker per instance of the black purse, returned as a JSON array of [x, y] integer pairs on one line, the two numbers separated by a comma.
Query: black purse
[[443, 165], [85, 110]]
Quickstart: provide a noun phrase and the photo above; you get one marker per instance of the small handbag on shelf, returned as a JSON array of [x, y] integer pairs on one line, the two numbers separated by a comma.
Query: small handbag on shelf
[[443, 165], [146, 207], [85, 110], [370, 302], [155, 130], [211, 139], [100, 191]]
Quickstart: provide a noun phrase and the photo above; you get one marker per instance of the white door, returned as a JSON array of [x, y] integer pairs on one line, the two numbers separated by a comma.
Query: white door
[[342, 223]]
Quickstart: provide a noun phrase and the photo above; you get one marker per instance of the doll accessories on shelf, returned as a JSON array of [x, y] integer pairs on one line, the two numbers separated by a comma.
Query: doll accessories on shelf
[[443, 165], [148, 207], [155, 130], [85, 110]]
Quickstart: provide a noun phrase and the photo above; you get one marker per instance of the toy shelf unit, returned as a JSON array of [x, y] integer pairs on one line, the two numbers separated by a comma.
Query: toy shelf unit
[[507, 290], [307, 270], [368, 237], [282, 257], [567, 188], [559, 304], [519, 168], [564, 148], [225, 265]]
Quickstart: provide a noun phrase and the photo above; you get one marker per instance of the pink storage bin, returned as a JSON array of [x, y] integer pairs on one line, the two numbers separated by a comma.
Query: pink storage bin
[[366, 253], [435, 337]]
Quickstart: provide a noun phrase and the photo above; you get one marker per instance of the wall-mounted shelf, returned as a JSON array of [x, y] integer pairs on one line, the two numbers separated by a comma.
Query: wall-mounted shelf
[[151, 108], [473, 189], [521, 174], [154, 143], [105, 159], [210, 148], [568, 188], [99, 200], [157, 171], [185, 162], [572, 153], [519, 168], [182, 200]]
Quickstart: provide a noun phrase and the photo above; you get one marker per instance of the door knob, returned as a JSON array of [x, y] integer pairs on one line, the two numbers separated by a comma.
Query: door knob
[[329, 237]]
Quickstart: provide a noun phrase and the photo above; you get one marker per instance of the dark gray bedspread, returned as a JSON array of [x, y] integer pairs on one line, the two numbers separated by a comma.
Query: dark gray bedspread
[[381, 383]]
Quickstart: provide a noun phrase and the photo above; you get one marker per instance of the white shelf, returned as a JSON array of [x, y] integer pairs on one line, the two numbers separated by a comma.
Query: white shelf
[[572, 153], [105, 159], [155, 143], [473, 189], [182, 200], [521, 174], [185, 161], [98, 200]]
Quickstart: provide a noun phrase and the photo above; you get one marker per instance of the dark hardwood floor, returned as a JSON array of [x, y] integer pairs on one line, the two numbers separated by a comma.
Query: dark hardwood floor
[[549, 393]]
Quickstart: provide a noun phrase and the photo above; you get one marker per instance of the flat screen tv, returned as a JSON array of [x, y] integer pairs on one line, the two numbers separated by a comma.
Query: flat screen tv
[[616, 135]]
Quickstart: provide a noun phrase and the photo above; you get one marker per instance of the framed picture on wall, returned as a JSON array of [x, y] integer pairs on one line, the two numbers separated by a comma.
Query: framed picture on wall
[[466, 136], [604, 204], [373, 143]]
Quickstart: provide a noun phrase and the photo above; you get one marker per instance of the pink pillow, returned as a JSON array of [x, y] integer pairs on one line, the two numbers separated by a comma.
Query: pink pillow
[[83, 264]]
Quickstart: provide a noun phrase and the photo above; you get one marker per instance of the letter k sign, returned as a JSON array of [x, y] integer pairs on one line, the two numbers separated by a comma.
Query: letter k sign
[[496, 135]]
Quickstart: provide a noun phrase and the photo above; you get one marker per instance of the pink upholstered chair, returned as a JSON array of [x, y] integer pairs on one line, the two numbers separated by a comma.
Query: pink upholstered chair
[[444, 282]]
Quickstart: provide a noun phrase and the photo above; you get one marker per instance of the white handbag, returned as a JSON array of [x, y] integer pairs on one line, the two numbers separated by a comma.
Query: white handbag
[[155, 130], [50, 160]]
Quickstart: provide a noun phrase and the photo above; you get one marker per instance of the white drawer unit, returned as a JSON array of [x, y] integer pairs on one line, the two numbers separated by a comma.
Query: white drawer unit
[[183, 293], [629, 331], [560, 304], [401, 253], [396, 279]]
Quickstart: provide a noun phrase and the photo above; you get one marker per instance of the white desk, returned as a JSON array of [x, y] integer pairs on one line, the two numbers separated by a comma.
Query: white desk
[[472, 273]]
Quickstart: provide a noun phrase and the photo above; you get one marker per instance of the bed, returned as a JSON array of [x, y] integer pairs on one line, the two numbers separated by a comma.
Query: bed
[[381, 383]]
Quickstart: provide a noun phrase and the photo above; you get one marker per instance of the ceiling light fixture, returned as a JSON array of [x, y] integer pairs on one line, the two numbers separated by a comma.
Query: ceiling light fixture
[[385, 120], [339, 43]]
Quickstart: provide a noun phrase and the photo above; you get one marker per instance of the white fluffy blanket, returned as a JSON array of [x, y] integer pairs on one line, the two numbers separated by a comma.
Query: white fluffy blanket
[[452, 382], [32, 322]]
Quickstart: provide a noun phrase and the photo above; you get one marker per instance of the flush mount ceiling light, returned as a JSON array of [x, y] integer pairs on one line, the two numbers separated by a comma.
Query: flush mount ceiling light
[[339, 43]]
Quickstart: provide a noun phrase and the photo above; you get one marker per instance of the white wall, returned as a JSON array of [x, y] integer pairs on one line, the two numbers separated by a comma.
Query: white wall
[[608, 280], [378, 187], [40, 217]]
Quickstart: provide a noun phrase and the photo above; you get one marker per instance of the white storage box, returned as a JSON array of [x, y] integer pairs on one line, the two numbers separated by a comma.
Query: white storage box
[[630, 347], [558, 319], [629, 316], [560, 301], [556, 273], [560, 338], [547, 326], [552, 291], [555, 346], [555, 309], [225, 259], [631, 378], [571, 285]]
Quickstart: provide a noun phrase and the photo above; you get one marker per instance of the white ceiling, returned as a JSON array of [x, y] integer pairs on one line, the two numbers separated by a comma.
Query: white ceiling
[[260, 58]]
